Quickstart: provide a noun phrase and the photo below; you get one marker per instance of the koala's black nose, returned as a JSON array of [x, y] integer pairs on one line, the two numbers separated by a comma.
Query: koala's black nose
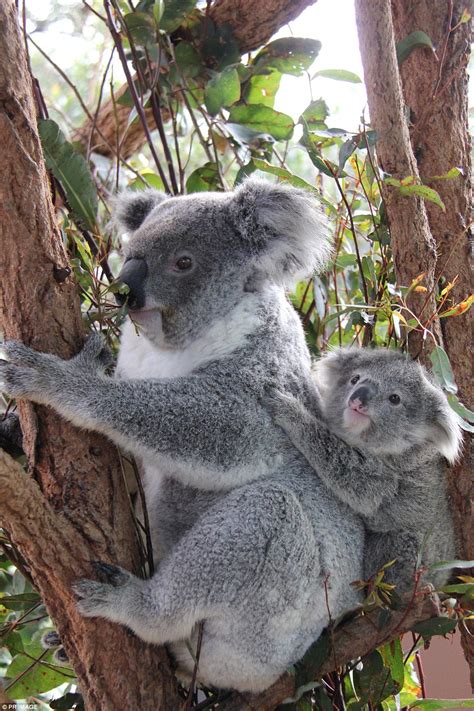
[[133, 275], [363, 394]]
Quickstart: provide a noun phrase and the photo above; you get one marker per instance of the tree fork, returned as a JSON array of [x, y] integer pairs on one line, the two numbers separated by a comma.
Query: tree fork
[[74, 498]]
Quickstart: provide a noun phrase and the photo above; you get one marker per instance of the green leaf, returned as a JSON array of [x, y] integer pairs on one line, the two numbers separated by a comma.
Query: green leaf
[[262, 89], [315, 115], [448, 564], [19, 602], [174, 13], [158, 10], [425, 192], [460, 588], [450, 175], [373, 683], [263, 119], [416, 39], [187, 59], [288, 55], [147, 179], [392, 655], [222, 90], [435, 626], [141, 27], [203, 179], [72, 172], [338, 75], [442, 369], [345, 152], [345, 260], [283, 174], [460, 409], [440, 704]]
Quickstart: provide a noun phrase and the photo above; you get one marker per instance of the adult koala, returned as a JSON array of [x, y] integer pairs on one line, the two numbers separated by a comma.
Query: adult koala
[[248, 537]]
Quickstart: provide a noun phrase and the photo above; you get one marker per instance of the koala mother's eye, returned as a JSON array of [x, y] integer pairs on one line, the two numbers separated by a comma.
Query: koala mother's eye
[[394, 399], [183, 263], [355, 379]]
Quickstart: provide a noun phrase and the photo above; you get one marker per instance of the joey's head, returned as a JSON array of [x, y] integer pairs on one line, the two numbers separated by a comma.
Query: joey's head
[[190, 260], [384, 403]]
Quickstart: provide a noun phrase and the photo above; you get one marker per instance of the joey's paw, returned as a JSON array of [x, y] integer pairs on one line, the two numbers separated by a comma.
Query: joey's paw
[[95, 354], [282, 406], [94, 599]]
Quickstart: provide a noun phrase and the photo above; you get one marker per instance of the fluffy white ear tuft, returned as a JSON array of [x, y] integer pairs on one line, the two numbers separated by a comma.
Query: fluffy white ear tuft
[[131, 207], [285, 228]]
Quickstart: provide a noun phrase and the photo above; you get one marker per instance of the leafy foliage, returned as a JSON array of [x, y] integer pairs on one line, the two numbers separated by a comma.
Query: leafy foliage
[[210, 122]]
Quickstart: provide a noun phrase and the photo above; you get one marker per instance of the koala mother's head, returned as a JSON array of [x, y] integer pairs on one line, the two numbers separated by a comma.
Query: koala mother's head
[[192, 259]]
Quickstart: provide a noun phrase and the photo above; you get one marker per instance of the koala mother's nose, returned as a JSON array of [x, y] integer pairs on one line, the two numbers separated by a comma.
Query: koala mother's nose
[[133, 275], [359, 399]]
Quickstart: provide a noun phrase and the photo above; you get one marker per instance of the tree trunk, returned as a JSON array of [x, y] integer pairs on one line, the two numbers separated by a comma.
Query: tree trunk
[[424, 238], [252, 23], [435, 88], [77, 510], [413, 246]]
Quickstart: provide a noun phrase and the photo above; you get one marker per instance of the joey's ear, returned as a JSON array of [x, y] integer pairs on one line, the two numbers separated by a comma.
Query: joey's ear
[[131, 207], [332, 364], [284, 227], [444, 431]]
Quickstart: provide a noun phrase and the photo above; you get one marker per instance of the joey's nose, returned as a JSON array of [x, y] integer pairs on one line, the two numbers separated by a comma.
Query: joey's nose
[[133, 275], [360, 398]]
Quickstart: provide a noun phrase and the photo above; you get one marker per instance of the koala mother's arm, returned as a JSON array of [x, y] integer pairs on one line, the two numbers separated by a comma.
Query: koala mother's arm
[[363, 483], [194, 417]]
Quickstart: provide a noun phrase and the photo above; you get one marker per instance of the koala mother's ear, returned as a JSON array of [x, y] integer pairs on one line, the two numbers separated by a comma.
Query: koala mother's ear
[[130, 208], [283, 227]]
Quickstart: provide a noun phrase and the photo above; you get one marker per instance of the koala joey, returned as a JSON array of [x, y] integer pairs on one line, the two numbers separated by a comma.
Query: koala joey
[[381, 443], [247, 539]]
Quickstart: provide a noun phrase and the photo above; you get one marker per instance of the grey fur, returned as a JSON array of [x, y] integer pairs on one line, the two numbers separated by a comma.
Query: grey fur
[[389, 465], [247, 538]]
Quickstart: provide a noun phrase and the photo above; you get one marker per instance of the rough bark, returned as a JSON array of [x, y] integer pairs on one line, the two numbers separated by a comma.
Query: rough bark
[[435, 88], [77, 509], [414, 249], [424, 238], [350, 640], [253, 24]]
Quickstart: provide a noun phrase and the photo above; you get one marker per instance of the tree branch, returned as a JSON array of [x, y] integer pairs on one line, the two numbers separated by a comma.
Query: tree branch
[[253, 25], [350, 640]]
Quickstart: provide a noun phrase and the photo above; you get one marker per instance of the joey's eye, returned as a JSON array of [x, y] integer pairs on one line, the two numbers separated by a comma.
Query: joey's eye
[[394, 399], [355, 379], [184, 263]]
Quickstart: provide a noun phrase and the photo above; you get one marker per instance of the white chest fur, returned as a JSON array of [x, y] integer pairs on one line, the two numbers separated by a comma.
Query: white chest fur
[[140, 357]]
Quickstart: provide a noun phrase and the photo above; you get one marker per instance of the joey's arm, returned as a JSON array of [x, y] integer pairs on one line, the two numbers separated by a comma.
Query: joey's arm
[[363, 483]]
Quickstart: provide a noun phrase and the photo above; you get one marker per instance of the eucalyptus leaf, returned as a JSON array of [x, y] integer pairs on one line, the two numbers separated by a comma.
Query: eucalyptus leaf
[[141, 27], [288, 55], [440, 704], [435, 626], [263, 119], [283, 174], [222, 90], [415, 39], [174, 13], [442, 369], [203, 179], [71, 171], [338, 75]]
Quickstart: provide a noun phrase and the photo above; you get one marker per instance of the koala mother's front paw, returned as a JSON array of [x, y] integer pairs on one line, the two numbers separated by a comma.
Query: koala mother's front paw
[[102, 599], [26, 373]]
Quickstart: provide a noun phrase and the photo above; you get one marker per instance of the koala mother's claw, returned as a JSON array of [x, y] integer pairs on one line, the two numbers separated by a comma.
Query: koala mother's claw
[[93, 599], [112, 574]]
